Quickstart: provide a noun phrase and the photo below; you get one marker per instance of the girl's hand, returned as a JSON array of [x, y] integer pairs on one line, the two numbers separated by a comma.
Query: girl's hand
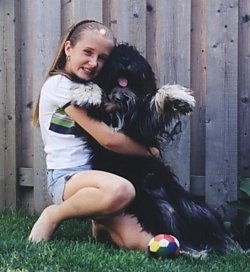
[[154, 152]]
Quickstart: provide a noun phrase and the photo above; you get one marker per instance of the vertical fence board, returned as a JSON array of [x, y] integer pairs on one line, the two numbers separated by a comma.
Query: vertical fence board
[[44, 48], [74, 11], [131, 23], [27, 82], [67, 18], [2, 105], [198, 83], [244, 88], [108, 13], [151, 35], [29, 89], [221, 107], [173, 60], [88, 9], [10, 76]]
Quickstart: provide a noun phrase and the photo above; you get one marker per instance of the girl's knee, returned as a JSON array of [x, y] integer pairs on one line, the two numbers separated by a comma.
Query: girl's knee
[[121, 194], [128, 189], [125, 191]]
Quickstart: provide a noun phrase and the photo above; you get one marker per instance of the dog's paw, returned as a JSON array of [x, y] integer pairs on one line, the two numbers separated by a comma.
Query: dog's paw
[[203, 254], [86, 95], [175, 98]]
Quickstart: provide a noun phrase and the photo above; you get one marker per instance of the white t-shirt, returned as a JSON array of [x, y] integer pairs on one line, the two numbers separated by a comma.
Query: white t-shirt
[[64, 147]]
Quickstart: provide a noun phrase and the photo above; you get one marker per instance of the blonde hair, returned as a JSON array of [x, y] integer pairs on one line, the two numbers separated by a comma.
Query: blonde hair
[[73, 35]]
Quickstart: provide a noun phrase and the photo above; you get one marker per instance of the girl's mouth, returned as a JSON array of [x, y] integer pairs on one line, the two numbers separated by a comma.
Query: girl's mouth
[[88, 71]]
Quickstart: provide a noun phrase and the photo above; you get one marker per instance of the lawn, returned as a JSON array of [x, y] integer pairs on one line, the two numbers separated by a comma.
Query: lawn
[[73, 249]]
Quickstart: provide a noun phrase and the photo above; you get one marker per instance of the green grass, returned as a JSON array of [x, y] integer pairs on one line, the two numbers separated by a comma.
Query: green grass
[[73, 249]]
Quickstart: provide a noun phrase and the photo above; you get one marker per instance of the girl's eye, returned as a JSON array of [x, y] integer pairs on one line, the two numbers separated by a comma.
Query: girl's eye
[[87, 52]]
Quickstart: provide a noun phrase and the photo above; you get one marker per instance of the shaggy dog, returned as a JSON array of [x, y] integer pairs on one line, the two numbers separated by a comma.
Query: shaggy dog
[[129, 101]]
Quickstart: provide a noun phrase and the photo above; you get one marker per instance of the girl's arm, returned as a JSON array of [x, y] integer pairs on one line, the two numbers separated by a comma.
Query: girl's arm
[[106, 137]]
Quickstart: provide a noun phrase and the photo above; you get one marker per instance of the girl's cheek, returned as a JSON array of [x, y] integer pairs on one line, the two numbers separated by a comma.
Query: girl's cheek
[[100, 64], [98, 68]]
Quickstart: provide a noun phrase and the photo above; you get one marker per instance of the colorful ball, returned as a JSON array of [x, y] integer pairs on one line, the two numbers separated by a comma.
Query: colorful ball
[[164, 246]]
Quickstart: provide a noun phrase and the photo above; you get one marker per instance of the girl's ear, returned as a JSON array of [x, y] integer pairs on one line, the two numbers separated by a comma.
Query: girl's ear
[[67, 47]]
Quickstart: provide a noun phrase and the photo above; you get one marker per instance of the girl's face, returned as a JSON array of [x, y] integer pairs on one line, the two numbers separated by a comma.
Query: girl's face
[[87, 57]]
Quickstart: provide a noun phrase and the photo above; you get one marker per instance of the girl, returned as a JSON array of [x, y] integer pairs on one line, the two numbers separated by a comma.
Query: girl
[[76, 190]]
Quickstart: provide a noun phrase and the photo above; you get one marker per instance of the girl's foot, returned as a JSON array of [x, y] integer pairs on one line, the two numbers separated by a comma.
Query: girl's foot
[[45, 226]]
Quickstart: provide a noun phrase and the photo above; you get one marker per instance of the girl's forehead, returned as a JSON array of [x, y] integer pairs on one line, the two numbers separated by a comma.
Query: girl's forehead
[[94, 39], [96, 33]]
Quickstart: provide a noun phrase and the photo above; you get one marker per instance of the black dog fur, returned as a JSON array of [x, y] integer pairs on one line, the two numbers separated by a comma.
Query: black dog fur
[[130, 102]]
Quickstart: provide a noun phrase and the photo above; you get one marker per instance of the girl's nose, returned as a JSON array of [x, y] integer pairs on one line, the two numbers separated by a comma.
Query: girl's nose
[[93, 61]]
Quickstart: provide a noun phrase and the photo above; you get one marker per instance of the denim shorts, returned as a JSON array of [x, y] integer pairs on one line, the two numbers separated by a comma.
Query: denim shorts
[[57, 178]]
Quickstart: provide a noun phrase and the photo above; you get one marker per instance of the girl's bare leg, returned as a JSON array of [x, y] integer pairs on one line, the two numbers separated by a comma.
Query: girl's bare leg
[[87, 194], [124, 231], [101, 233]]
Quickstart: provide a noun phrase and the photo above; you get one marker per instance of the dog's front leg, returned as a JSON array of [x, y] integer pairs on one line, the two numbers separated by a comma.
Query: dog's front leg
[[90, 97], [172, 101], [165, 107]]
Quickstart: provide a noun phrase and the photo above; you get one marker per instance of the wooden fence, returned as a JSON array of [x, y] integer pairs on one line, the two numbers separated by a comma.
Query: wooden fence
[[197, 43]]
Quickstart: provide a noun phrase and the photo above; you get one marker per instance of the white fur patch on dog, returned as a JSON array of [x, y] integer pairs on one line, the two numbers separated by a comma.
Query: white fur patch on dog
[[170, 93], [195, 254], [86, 94]]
